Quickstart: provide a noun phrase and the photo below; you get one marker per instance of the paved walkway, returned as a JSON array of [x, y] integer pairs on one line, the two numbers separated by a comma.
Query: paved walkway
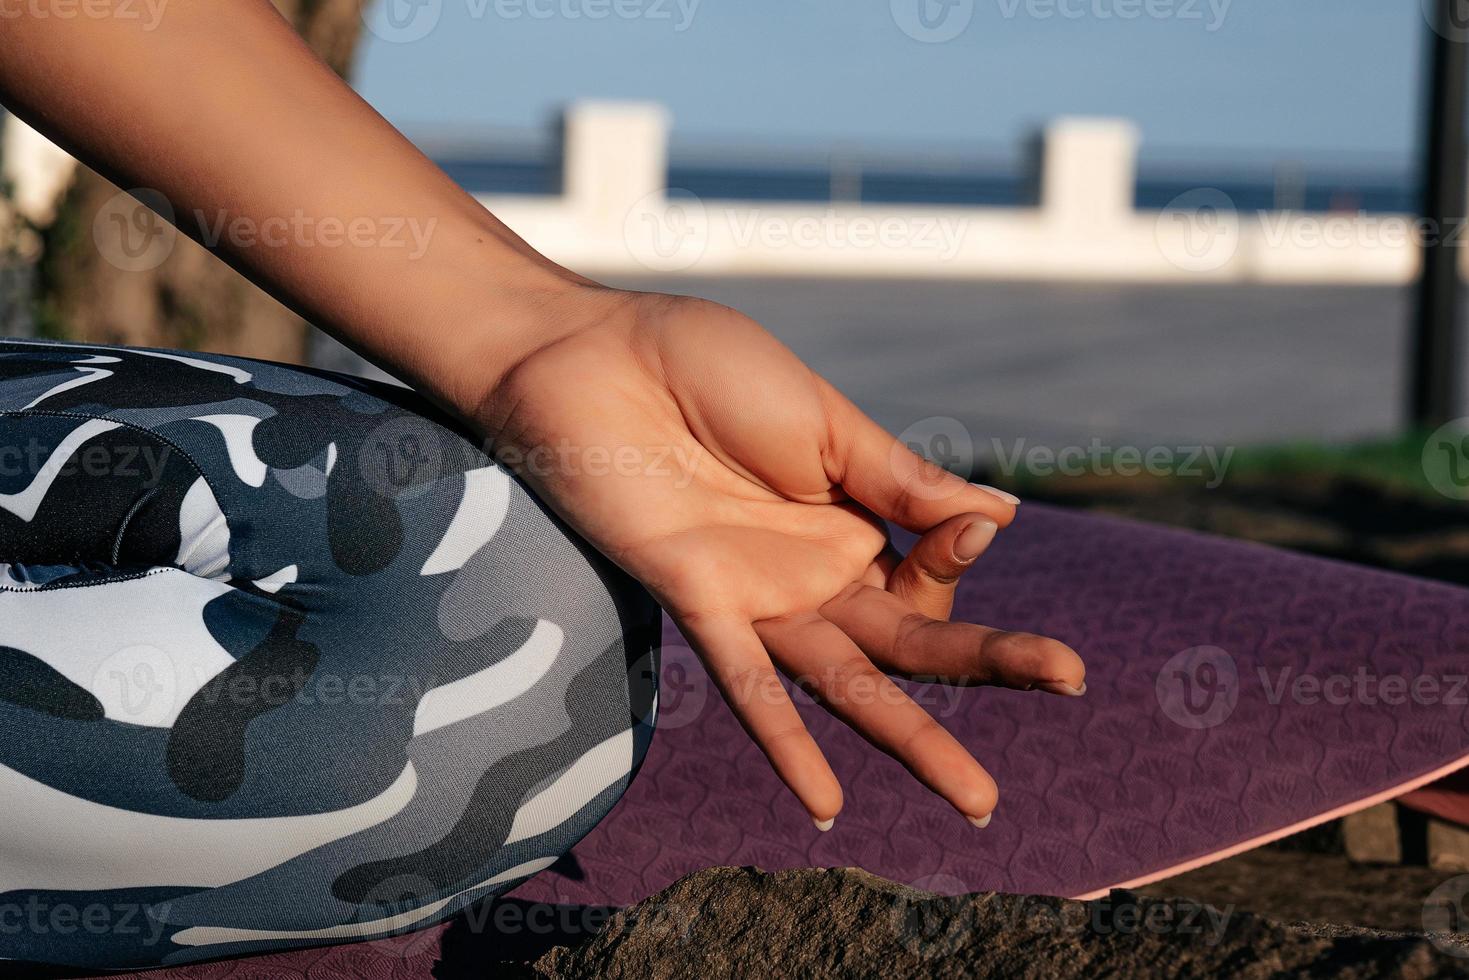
[[1060, 365]]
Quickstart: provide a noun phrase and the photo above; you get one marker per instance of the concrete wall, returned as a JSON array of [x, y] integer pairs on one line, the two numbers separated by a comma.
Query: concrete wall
[[35, 168], [1086, 227], [614, 217]]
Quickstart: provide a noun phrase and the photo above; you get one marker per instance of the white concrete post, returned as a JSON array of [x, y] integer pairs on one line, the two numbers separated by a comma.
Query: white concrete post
[[616, 154], [1089, 171], [37, 169]]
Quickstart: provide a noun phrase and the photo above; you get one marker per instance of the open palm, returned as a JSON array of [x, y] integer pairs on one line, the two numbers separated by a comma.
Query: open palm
[[748, 495]]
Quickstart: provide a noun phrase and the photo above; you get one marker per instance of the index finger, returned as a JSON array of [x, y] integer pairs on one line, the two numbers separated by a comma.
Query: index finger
[[896, 483]]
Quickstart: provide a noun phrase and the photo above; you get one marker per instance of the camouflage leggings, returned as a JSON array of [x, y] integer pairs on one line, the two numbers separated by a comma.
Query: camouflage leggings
[[285, 660]]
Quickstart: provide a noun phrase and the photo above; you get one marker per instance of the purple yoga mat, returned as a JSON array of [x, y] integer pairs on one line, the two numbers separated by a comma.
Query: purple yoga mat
[[1234, 692], [1180, 750]]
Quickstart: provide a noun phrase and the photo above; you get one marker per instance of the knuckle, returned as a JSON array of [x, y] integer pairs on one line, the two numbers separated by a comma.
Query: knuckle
[[907, 633], [942, 572], [786, 733], [922, 732], [752, 683], [1004, 643], [850, 668]]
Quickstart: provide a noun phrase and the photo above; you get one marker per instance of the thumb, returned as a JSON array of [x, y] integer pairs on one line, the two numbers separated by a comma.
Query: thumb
[[896, 483]]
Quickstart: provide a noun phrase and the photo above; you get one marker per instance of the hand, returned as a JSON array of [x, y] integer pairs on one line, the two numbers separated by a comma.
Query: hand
[[693, 449]]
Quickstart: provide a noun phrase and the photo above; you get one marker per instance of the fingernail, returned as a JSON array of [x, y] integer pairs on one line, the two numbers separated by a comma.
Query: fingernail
[[1008, 498], [980, 822], [824, 825], [1061, 687], [974, 539]]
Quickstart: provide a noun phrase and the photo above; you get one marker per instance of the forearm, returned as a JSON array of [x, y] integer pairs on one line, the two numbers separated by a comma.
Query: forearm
[[264, 153]]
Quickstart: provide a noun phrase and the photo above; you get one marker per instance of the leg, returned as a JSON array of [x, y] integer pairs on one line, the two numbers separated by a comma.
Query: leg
[[285, 660]]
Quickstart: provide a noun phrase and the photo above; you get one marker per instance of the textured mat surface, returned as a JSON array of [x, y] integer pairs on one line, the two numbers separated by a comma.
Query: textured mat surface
[[1233, 692]]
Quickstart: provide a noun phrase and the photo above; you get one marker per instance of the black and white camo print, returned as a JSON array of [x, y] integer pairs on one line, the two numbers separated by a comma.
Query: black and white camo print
[[285, 660]]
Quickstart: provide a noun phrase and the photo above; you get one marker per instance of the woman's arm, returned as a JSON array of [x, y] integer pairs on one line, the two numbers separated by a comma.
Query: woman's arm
[[677, 436], [223, 110]]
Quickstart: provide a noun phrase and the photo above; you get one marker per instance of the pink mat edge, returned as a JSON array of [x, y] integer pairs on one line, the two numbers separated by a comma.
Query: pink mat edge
[[1274, 835]]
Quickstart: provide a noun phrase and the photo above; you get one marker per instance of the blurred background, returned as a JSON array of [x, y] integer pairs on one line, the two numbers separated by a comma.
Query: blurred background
[[1156, 220], [1160, 258], [1026, 234]]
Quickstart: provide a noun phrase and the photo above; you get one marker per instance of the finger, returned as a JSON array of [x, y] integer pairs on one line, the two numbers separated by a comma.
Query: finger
[[829, 666], [905, 642], [928, 578], [894, 482], [747, 679]]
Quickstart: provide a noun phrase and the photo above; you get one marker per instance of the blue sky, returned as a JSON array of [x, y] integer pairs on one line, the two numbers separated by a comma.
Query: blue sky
[[1323, 80]]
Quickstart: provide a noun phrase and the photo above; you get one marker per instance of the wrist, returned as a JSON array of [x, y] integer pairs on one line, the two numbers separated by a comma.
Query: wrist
[[510, 323], [480, 302], [512, 318]]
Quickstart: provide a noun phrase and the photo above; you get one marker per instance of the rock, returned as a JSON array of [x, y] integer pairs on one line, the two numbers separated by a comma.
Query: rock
[[1299, 886], [1372, 835], [837, 923], [1448, 846]]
